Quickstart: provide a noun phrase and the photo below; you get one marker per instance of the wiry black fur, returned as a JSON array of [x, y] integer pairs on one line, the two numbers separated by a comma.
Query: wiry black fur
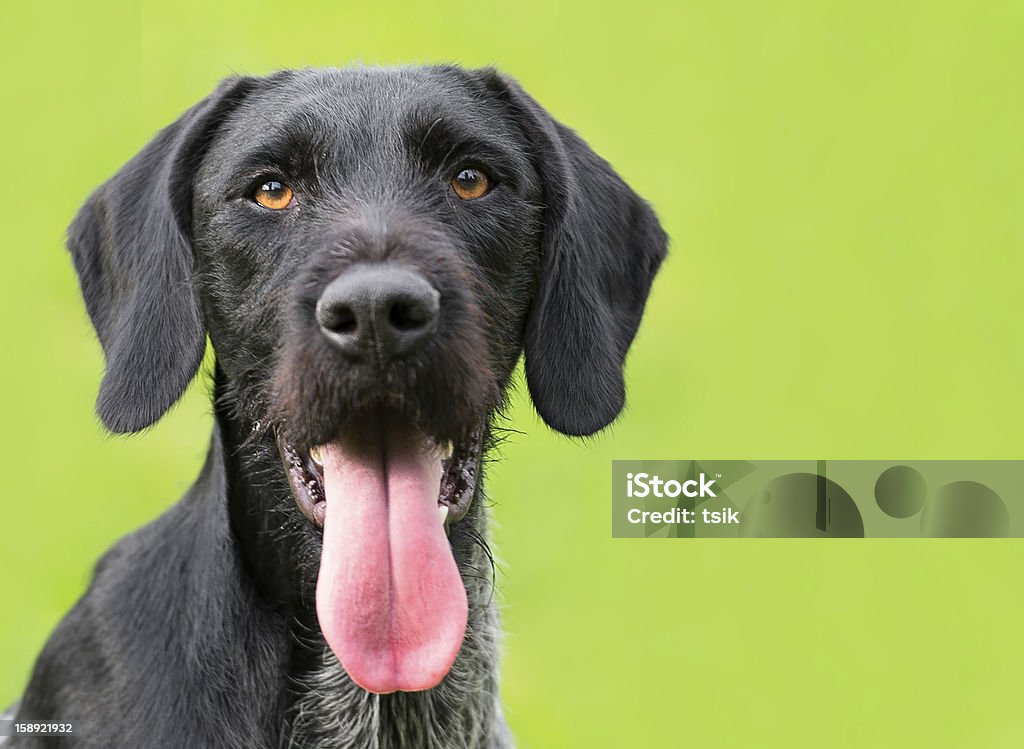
[[199, 630]]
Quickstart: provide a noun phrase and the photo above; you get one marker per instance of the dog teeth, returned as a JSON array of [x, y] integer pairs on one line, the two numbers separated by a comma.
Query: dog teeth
[[446, 450], [317, 455], [442, 511]]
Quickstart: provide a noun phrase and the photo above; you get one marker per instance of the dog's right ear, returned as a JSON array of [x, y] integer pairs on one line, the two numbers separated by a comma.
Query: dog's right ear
[[131, 246]]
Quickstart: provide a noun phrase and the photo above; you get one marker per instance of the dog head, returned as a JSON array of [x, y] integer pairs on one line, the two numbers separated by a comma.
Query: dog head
[[370, 252]]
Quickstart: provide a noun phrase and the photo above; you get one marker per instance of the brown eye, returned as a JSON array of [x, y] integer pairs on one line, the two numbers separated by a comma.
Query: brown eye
[[274, 195], [471, 183]]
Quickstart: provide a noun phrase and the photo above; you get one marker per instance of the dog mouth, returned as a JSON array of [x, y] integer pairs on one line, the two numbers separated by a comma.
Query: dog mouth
[[459, 463], [389, 596]]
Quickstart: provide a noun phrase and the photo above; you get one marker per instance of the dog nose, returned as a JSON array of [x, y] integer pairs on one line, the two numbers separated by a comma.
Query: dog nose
[[378, 311]]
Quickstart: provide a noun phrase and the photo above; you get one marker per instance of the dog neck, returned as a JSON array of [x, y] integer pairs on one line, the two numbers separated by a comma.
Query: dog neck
[[324, 708]]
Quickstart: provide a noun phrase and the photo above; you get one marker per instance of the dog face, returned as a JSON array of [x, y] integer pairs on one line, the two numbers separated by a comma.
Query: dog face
[[370, 163], [370, 252]]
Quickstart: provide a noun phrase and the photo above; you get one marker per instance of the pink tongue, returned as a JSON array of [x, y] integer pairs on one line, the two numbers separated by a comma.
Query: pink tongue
[[389, 597]]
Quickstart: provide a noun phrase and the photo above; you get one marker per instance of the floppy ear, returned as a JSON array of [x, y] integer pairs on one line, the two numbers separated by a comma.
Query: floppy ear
[[602, 246], [131, 246]]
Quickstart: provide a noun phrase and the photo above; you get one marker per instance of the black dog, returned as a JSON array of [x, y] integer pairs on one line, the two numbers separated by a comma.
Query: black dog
[[370, 252]]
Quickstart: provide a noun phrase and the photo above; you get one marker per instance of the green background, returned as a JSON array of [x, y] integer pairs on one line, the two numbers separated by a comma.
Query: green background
[[843, 186]]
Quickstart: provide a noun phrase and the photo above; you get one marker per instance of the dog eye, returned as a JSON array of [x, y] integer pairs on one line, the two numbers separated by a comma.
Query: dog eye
[[471, 183], [274, 195]]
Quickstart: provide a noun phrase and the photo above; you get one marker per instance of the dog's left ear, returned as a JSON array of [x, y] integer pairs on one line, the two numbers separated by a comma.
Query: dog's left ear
[[131, 246], [602, 246]]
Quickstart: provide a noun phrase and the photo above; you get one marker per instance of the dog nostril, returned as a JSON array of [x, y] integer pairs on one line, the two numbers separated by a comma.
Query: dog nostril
[[407, 316], [340, 319]]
